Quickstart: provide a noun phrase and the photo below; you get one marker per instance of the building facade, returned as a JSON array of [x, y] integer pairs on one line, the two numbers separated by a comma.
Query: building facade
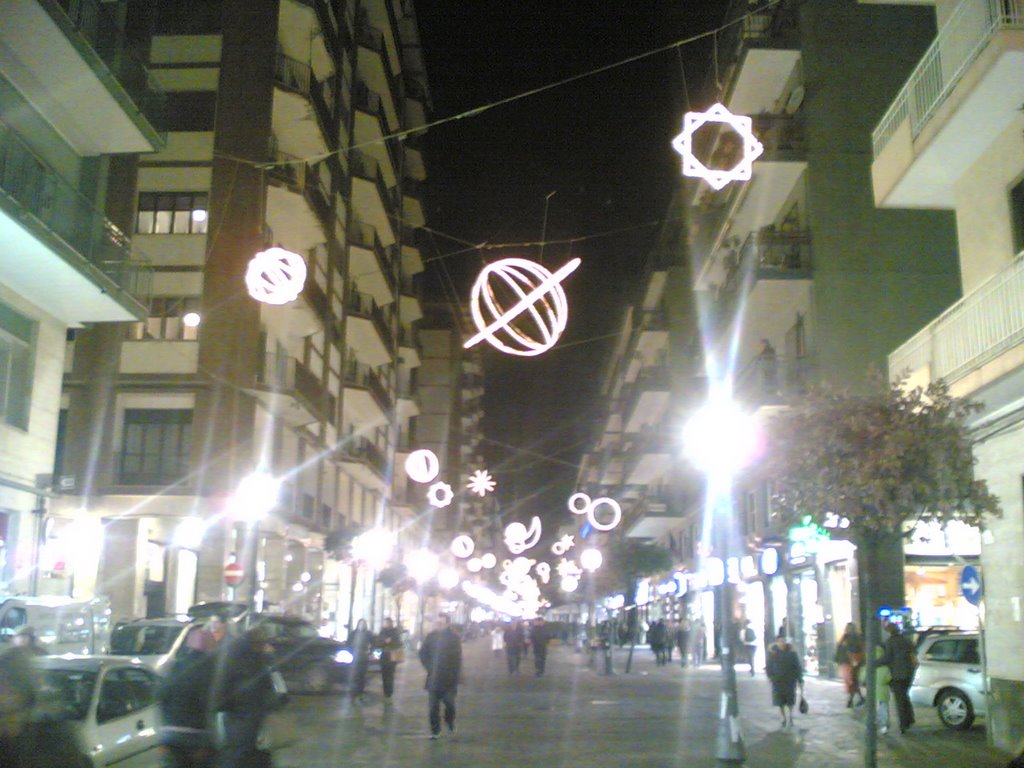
[[76, 104], [284, 124], [952, 139]]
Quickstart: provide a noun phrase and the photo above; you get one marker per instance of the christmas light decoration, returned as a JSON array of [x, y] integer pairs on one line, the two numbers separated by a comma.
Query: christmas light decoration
[[462, 546], [718, 178], [275, 276], [488, 560], [544, 571], [570, 583], [581, 503], [539, 307], [422, 466], [440, 495], [481, 483], [563, 545], [518, 538]]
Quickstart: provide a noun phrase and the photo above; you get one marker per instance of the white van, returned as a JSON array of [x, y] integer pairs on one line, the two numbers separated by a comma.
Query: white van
[[62, 624]]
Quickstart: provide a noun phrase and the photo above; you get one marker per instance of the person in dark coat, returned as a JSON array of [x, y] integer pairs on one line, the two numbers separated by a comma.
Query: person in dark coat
[[656, 638], [539, 637], [183, 697], [850, 658], [441, 656], [392, 652], [515, 640], [785, 672], [244, 694], [359, 642], [901, 658]]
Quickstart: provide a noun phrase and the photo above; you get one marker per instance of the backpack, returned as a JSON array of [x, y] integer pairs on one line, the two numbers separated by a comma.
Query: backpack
[[748, 635]]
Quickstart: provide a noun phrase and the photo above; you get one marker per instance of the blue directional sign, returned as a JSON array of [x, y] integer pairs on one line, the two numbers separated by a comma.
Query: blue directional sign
[[970, 584]]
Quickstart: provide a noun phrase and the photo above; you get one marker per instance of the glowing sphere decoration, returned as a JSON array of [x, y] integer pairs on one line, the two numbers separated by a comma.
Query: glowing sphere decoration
[[570, 583], [519, 306], [462, 546], [591, 559], [275, 276], [422, 466], [488, 560], [473, 565], [718, 178]]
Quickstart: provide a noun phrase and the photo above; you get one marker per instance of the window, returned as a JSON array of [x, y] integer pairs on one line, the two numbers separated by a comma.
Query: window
[[943, 650], [157, 446], [17, 335], [1017, 216], [166, 320], [172, 213], [125, 691]]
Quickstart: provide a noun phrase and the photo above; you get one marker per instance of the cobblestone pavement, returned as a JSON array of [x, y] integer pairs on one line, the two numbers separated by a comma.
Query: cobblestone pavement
[[654, 717]]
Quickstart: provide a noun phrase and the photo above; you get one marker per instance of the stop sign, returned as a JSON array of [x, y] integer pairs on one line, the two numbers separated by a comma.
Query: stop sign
[[233, 574]]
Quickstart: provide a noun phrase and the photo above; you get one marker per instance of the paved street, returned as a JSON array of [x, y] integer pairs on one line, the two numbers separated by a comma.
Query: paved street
[[652, 718]]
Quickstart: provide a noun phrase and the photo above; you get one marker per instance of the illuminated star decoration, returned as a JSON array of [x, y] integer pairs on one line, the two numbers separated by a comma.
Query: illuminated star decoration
[[718, 178], [481, 483], [537, 310], [440, 495], [275, 276], [563, 545]]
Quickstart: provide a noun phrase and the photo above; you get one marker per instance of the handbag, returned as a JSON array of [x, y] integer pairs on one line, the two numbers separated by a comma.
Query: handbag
[[804, 708], [397, 655]]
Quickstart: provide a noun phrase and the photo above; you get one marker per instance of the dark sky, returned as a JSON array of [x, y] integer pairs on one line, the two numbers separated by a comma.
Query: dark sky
[[602, 144]]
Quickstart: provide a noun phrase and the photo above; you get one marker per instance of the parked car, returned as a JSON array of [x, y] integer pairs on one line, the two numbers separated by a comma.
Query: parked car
[[153, 641], [110, 704], [949, 677], [62, 624]]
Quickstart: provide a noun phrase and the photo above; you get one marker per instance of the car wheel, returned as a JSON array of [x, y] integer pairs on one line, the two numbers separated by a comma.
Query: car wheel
[[316, 680], [954, 709]]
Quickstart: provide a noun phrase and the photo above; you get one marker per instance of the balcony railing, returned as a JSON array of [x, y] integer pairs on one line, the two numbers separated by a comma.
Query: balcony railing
[[977, 329], [98, 28], [962, 38], [63, 211], [364, 304], [365, 236], [361, 449], [361, 375], [367, 167], [771, 380], [298, 76], [312, 181], [778, 251], [281, 373]]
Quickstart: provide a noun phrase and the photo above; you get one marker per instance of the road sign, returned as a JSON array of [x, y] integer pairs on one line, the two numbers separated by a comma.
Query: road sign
[[970, 584], [233, 574]]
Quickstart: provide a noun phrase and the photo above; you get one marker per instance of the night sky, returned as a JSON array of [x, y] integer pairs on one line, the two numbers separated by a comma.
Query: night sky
[[602, 144]]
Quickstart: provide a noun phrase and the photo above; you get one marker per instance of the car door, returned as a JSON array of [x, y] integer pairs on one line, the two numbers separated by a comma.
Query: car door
[[127, 719], [969, 666]]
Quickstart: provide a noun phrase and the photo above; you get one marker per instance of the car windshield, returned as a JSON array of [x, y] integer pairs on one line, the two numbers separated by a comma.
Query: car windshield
[[143, 640], [67, 693], [290, 631]]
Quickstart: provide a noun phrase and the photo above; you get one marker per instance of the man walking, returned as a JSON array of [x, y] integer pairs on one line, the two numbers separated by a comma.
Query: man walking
[[441, 656], [539, 640], [748, 636], [901, 659], [515, 639]]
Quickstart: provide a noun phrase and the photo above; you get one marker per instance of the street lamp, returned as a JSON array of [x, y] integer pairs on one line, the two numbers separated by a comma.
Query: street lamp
[[373, 548], [255, 497], [720, 439]]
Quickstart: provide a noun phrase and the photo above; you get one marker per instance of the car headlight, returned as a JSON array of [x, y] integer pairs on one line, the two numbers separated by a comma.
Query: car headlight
[[377, 654], [344, 656]]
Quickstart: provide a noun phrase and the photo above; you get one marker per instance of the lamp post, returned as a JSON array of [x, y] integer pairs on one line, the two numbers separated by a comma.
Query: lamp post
[[373, 548], [255, 497], [720, 439]]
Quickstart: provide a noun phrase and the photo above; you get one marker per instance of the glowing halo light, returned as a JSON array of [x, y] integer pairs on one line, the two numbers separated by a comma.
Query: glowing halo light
[[591, 559], [473, 565], [448, 578], [481, 483], [488, 560], [422, 565], [440, 495], [275, 276], [579, 503], [570, 583], [541, 300], [720, 437], [373, 547], [191, 319], [462, 546], [189, 533], [718, 178], [519, 538], [422, 466]]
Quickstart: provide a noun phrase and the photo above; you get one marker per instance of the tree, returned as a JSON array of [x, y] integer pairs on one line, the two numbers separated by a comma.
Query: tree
[[877, 463], [626, 561]]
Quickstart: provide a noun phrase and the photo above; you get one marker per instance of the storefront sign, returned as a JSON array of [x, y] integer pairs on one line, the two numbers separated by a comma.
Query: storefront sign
[[747, 568], [770, 561], [809, 534]]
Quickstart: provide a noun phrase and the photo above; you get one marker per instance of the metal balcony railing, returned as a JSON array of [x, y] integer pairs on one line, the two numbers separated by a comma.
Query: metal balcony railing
[[771, 380], [962, 38], [287, 375], [361, 449], [362, 375], [978, 328], [60, 209]]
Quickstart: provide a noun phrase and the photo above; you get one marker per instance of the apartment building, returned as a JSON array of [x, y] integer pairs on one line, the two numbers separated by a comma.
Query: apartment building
[[952, 139], [76, 103], [281, 125]]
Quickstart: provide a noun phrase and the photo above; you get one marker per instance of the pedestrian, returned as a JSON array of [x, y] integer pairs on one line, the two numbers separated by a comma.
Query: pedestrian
[[25, 638], [539, 637], [901, 659], [683, 641], [882, 680], [498, 639], [698, 644], [243, 695], [670, 641], [30, 738], [392, 653], [183, 697], [748, 636], [441, 656], [785, 673], [850, 658], [359, 643], [515, 637], [656, 639], [217, 626]]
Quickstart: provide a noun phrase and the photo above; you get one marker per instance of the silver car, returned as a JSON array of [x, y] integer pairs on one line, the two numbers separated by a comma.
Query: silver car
[[110, 704], [950, 678], [153, 641]]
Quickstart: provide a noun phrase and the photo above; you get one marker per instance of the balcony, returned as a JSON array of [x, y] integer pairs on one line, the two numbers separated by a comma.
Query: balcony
[[298, 96], [298, 200], [372, 200], [647, 400], [367, 401], [648, 457], [410, 308], [363, 460], [759, 55], [372, 122], [973, 343], [773, 381], [374, 65], [408, 400], [410, 350], [654, 517], [59, 251], [412, 260], [413, 191], [966, 90], [292, 392], [113, 104], [367, 329], [650, 338], [371, 263]]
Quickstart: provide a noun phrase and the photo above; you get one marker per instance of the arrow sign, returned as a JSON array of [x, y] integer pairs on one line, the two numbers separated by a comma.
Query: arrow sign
[[970, 584]]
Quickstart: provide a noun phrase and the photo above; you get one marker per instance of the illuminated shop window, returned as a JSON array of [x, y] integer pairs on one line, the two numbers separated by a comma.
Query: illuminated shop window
[[172, 213]]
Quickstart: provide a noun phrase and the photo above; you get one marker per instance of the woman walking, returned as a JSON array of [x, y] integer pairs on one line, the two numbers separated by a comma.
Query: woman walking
[[785, 672], [392, 654], [850, 657]]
